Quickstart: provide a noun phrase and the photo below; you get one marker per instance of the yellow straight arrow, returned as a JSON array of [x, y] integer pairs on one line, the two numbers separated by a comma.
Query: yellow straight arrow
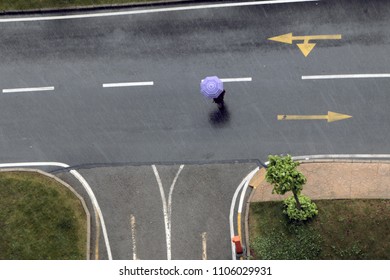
[[331, 117], [305, 47]]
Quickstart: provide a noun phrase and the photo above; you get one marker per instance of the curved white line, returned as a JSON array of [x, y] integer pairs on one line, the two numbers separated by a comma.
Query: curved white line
[[170, 195], [165, 212], [232, 208], [244, 190], [167, 208], [134, 12], [308, 157], [83, 183], [96, 204]]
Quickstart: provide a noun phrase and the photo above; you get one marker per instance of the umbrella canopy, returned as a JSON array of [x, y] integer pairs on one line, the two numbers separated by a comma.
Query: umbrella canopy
[[211, 87]]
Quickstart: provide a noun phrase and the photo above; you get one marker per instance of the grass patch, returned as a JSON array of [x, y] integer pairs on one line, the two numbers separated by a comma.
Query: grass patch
[[343, 229], [40, 219], [45, 4]]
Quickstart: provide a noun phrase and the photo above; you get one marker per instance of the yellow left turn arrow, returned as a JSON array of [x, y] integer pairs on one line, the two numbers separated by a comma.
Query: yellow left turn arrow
[[330, 117], [305, 47]]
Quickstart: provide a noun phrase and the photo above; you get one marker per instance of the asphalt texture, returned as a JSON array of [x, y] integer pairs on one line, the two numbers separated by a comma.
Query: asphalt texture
[[82, 122], [200, 203]]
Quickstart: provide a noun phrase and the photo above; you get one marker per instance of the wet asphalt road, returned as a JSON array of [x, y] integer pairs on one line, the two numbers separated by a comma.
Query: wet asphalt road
[[81, 122], [200, 204]]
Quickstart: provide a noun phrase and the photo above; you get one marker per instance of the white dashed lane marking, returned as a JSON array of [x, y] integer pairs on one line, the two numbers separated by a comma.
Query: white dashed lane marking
[[130, 84], [12, 90], [346, 76], [229, 80]]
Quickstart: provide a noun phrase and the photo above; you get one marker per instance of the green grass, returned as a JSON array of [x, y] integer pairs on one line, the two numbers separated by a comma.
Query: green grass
[[44, 4], [343, 229], [40, 219]]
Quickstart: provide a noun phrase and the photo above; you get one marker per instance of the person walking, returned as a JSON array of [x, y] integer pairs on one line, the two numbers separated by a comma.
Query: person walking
[[219, 100], [212, 87]]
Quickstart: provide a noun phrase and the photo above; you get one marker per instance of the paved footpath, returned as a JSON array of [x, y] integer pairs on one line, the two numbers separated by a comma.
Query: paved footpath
[[334, 180]]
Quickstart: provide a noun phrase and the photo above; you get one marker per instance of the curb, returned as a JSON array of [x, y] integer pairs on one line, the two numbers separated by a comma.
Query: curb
[[312, 159], [166, 163], [106, 7], [88, 245]]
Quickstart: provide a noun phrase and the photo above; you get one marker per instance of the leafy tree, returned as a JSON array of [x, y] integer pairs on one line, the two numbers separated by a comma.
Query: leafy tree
[[282, 173]]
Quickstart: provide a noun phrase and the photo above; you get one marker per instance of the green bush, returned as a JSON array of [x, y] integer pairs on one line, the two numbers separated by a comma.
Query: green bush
[[308, 209]]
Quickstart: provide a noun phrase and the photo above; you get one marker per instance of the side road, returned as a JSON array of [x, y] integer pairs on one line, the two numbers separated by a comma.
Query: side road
[[334, 180]]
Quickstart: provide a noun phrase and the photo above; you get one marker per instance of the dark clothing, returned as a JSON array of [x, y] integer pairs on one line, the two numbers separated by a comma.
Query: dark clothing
[[219, 99]]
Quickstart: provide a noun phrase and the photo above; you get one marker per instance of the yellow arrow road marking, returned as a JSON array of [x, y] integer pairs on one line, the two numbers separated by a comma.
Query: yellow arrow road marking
[[285, 38], [305, 47], [331, 117]]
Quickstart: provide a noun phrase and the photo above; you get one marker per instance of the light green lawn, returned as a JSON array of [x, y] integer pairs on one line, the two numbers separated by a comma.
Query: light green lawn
[[40, 219]]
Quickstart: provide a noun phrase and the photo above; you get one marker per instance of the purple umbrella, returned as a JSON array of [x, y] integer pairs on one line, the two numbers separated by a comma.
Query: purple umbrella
[[211, 87]]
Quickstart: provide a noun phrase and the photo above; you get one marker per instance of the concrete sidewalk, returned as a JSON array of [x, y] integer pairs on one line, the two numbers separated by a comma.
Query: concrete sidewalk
[[334, 180]]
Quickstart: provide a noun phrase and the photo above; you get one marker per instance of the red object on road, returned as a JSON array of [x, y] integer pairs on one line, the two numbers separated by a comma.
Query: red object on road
[[237, 241]]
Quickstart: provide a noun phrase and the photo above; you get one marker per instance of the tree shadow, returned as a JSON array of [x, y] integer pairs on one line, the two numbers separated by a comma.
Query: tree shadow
[[220, 117]]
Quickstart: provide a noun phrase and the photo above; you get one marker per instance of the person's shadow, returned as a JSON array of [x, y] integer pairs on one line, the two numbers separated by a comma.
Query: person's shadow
[[220, 117]]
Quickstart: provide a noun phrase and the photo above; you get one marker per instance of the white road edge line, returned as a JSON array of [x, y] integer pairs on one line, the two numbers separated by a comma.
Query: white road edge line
[[83, 182], [167, 208], [134, 12], [11, 90], [131, 84], [241, 203], [228, 80], [346, 76], [133, 236], [232, 205]]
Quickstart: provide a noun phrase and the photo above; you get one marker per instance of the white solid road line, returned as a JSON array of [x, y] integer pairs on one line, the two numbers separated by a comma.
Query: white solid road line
[[165, 212], [228, 80], [83, 182], [131, 84], [346, 76], [134, 12], [10, 90], [232, 205], [167, 207]]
